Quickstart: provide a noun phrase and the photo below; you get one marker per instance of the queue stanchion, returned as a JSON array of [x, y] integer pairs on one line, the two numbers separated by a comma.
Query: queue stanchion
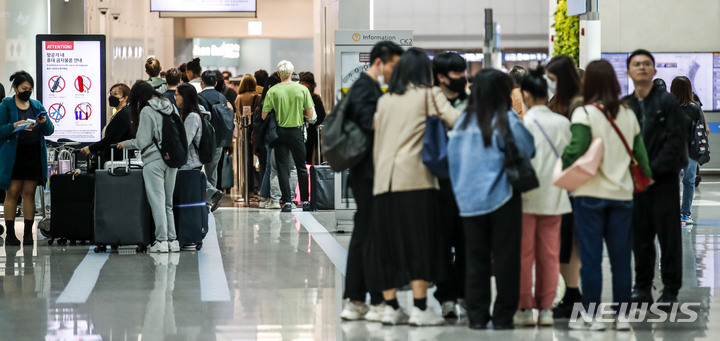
[[247, 156]]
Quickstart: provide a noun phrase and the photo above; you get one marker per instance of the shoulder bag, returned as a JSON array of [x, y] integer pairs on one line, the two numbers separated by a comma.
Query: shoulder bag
[[640, 179], [434, 151], [519, 170], [582, 170]]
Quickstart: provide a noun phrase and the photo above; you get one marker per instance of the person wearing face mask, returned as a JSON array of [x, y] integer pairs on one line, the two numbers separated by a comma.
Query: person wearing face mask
[[23, 153], [118, 129], [449, 75], [362, 102]]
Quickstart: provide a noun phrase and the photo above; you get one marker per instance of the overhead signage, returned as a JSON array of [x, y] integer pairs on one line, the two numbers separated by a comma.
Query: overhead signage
[[203, 5], [372, 37], [71, 84]]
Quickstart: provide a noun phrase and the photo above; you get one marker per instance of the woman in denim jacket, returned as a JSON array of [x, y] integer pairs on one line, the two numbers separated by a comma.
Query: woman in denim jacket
[[491, 211]]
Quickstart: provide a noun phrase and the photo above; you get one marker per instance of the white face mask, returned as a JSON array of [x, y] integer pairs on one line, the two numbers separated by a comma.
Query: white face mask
[[381, 77], [552, 86]]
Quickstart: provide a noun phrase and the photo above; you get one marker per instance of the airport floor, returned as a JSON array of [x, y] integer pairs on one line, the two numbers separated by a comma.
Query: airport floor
[[266, 275]]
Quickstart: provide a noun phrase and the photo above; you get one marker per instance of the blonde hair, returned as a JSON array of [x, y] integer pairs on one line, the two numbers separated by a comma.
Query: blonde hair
[[152, 66], [285, 69]]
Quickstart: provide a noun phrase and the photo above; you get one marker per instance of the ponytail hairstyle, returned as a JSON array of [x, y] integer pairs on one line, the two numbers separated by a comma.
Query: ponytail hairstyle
[[20, 77], [535, 84]]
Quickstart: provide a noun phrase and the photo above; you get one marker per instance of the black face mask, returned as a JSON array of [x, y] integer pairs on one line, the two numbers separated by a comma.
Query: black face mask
[[24, 96], [457, 85], [113, 101]]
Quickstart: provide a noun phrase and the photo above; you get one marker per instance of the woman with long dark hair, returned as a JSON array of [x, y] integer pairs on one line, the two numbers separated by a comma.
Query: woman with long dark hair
[[604, 204], [23, 153], [403, 245], [147, 108], [681, 88], [187, 100], [491, 210], [564, 92]]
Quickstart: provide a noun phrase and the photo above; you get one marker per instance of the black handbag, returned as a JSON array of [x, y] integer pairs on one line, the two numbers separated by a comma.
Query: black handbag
[[520, 172]]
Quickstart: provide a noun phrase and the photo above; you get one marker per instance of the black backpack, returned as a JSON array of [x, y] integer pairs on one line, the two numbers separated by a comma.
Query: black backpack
[[344, 143], [223, 121], [206, 149], [699, 148], [174, 141]]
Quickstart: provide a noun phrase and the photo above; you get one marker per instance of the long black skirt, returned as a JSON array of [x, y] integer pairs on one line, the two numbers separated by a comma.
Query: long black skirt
[[405, 240]]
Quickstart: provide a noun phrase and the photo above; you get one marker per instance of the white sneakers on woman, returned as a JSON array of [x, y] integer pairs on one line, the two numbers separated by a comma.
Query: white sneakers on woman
[[353, 312], [375, 313], [394, 316], [425, 317]]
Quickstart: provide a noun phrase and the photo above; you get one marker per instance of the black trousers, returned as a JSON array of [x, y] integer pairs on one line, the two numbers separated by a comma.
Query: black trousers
[[495, 235], [291, 139], [451, 226], [355, 287], [657, 212]]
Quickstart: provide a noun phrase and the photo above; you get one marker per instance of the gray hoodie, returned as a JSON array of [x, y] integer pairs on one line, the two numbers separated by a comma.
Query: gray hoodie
[[159, 84], [150, 128], [193, 130]]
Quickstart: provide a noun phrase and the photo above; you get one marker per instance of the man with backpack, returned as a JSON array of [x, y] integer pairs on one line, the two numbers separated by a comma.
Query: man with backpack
[[362, 101], [222, 119]]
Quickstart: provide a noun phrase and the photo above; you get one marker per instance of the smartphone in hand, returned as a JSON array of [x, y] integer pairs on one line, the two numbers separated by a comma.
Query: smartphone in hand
[[40, 115]]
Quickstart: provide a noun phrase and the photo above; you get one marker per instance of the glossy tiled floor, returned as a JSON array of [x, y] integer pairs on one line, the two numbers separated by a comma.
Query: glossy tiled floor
[[266, 275]]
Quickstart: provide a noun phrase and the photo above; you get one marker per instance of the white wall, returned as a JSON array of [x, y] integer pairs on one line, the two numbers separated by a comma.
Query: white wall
[[459, 23], [661, 26]]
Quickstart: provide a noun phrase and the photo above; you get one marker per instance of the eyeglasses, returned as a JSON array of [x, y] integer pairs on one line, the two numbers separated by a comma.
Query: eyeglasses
[[646, 63]]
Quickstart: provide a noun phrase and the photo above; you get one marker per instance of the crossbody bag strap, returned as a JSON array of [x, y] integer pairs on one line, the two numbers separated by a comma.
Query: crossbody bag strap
[[547, 137], [617, 130]]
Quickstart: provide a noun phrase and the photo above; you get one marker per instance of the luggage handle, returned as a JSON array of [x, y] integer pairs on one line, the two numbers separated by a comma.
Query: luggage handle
[[126, 158]]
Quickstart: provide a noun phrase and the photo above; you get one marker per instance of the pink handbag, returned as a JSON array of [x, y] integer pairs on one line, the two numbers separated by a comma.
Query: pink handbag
[[582, 169]]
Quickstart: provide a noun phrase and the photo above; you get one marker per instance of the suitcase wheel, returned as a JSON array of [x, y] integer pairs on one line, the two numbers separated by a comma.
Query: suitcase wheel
[[50, 241], [100, 248], [73, 242], [141, 248], [198, 246], [44, 227], [62, 241], [113, 247]]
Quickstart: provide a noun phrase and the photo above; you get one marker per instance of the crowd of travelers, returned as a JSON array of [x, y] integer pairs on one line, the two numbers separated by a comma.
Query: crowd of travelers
[[416, 228]]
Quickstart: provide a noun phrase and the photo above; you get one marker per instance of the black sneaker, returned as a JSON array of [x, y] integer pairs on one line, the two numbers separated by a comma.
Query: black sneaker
[[667, 297], [12, 240], [306, 206], [287, 207], [565, 307], [642, 296]]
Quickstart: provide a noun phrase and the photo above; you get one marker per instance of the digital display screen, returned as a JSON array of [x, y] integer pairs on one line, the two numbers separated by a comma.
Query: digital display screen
[[71, 86], [203, 5], [703, 70]]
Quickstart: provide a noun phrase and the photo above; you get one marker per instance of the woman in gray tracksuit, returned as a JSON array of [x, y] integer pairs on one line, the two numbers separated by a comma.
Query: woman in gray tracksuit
[[147, 107]]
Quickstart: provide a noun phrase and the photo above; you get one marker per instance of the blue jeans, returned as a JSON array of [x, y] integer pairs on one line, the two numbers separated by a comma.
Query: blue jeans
[[265, 185], [688, 182], [597, 219]]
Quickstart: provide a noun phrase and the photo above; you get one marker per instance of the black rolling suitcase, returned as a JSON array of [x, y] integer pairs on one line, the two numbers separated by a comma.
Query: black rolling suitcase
[[322, 185], [189, 207], [72, 198], [122, 211]]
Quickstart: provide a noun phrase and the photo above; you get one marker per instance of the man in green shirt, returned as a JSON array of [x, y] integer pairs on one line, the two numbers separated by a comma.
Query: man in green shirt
[[292, 103]]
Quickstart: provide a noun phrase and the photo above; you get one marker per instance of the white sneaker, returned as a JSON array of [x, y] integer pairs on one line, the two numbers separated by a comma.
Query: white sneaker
[[460, 310], [158, 246], [622, 324], [263, 204], [524, 317], [353, 312], [189, 247], [580, 324], [394, 316], [545, 318], [375, 313], [425, 317], [273, 205], [448, 309], [174, 246]]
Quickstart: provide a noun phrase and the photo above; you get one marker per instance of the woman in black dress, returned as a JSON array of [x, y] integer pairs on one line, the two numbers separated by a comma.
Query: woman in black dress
[[23, 154]]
